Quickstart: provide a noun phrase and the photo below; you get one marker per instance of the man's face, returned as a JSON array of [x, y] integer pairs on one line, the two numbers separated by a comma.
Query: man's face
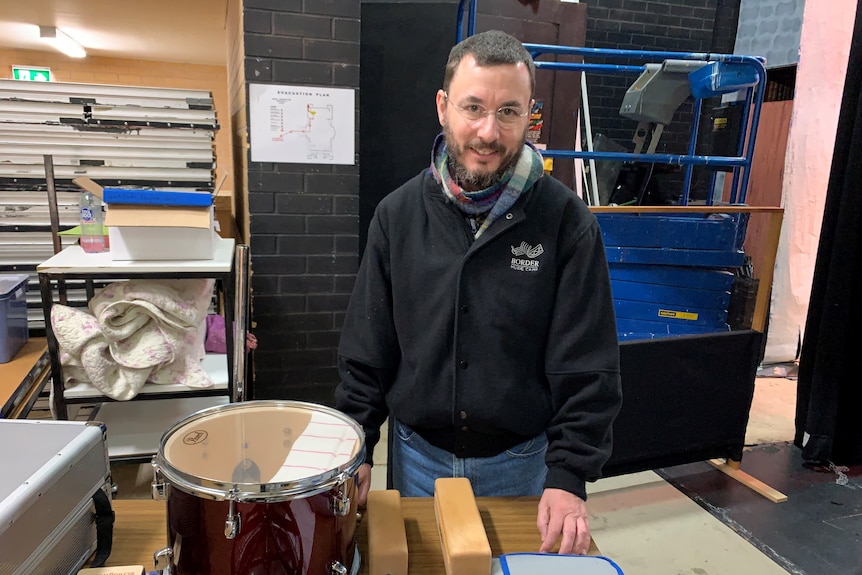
[[480, 151]]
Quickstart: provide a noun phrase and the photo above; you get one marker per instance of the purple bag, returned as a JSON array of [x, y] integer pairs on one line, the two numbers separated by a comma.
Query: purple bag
[[215, 341]]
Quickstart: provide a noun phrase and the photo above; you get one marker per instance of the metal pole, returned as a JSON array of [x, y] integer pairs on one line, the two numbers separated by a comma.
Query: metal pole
[[240, 326], [54, 215], [692, 146], [52, 202], [594, 182]]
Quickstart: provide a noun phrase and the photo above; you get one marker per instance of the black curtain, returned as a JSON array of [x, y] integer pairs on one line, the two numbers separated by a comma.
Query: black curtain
[[829, 394]]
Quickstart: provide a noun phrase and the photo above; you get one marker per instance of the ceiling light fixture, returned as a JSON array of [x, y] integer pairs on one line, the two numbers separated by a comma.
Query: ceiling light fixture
[[62, 42]]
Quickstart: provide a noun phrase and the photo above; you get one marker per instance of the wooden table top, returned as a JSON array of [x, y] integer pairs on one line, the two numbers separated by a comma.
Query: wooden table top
[[140, 529], [17, 375]]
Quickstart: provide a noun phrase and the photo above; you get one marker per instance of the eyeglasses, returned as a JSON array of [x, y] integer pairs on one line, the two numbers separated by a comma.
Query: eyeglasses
[[506, 115]]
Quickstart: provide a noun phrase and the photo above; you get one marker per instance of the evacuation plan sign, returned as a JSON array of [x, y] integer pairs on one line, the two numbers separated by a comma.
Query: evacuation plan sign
[[302, 124]]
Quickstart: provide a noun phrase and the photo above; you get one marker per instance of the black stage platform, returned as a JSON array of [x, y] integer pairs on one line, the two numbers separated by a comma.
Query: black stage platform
[[817, 531]]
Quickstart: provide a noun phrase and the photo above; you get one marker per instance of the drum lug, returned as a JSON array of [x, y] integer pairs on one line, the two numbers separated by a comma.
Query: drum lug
[[336, 568], [233, 523], [163, 559], [159, 487], [339, 503]]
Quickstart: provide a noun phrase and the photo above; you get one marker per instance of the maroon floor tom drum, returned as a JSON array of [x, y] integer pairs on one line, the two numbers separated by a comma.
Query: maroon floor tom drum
[[260, 488]]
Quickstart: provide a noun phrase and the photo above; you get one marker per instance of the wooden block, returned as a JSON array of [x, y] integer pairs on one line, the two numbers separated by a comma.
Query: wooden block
[[387, 538], [466, 550], [752, 483], [124, 570]]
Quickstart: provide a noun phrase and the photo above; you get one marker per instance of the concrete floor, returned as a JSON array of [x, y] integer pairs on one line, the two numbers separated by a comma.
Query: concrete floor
[[772, 411], [649, 528]]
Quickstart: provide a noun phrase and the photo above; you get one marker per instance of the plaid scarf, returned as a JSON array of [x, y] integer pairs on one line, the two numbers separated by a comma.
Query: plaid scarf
[[494, 201]]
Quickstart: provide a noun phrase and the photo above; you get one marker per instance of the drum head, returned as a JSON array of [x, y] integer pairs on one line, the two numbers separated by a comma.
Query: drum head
[[257, 443]]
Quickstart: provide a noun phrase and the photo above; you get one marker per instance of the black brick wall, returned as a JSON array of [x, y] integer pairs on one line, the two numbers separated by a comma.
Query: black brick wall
[[667, 25], [303, 218], [726, 23]]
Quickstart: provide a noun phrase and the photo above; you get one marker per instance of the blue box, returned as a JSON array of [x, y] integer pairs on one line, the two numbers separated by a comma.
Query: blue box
[[668, 313], [675, 232], [673, 257], [670, 295], [693, 278], [689, 240], [13, 315]]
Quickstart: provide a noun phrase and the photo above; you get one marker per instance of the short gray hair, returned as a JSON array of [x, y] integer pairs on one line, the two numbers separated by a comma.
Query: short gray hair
[[492, 48]]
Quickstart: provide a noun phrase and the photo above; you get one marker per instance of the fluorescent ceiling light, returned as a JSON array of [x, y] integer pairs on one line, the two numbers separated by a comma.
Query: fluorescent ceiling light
[[62, 42]]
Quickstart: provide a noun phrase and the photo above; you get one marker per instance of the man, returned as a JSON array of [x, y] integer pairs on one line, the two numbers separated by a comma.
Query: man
[[481, 321]]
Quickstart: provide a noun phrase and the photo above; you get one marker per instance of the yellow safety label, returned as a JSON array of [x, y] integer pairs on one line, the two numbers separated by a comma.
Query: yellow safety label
[[677, 314]]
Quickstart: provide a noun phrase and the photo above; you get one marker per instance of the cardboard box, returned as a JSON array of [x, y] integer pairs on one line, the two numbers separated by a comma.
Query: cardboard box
[[160, 232], [224, 217], [139, 232]]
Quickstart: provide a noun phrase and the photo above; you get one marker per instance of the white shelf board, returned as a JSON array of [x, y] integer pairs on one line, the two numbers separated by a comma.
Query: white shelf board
[[215, 364], [134, 429], [74, 260]]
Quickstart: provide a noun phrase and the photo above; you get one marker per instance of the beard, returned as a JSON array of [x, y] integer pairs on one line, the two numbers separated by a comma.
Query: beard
[[478, 180]]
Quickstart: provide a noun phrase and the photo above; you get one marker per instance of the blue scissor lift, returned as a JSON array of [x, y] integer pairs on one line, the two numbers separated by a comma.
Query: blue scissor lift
[[671, 267], [686, 398]]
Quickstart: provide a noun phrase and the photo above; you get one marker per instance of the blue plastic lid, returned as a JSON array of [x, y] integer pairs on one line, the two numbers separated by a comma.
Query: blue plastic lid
[[9, 282]]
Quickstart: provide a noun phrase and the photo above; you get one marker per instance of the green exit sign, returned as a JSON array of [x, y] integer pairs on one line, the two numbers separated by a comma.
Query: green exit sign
[[31, 74]]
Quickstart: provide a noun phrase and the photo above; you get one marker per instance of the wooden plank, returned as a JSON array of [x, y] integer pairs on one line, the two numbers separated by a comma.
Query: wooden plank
[[466, 550], [755, 484], [767, 269], [387, 538], [20, 374], [767, 175]]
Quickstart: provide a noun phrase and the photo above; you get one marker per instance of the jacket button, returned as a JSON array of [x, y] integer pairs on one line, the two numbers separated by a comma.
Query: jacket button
[[465, 309], [465, 428], [463, 415], [462, 364]]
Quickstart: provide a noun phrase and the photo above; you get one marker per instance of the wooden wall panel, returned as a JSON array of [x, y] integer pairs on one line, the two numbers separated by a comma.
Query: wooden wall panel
[[767, 171]]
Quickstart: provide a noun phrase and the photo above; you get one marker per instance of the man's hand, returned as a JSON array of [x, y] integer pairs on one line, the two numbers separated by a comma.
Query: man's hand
[[363, 483], [563, 513]]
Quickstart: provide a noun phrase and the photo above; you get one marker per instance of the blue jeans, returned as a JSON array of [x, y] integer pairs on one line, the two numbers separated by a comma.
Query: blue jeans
[[416, 464]]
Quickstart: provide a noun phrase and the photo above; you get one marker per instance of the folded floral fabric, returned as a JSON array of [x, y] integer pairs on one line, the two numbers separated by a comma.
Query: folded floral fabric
[[136, 332]]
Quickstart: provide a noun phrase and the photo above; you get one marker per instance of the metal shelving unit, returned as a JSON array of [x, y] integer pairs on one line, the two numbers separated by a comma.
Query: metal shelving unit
[[229, 267]]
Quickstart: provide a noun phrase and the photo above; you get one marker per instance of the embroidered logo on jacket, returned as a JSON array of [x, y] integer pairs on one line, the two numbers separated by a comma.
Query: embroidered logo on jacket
[[530, 263]]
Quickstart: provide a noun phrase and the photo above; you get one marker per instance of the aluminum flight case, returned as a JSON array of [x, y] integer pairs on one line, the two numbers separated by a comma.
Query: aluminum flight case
[[48, 518]]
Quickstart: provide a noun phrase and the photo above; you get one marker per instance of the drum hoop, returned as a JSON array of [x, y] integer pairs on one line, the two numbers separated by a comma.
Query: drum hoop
[[259, 492]]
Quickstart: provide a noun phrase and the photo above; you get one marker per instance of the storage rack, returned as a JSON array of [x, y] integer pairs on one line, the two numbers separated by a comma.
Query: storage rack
[[117, 135], [228, 262]]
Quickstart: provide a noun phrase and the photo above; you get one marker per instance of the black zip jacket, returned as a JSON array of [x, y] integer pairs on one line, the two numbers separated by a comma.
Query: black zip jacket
[[480, 345]]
